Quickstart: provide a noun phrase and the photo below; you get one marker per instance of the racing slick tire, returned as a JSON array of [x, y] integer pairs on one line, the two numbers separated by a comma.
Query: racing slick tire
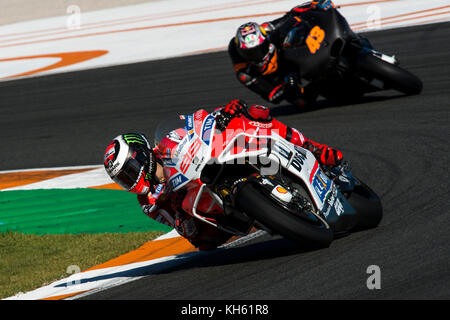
[[393, 76], [266, 211], [367, 205]]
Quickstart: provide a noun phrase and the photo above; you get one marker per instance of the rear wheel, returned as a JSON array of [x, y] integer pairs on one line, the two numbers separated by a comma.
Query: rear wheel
[[268, 212], [392, 76]]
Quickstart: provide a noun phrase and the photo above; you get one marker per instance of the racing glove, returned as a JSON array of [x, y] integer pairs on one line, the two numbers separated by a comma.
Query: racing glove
[[289, 83], [233, 109], [322, 4]]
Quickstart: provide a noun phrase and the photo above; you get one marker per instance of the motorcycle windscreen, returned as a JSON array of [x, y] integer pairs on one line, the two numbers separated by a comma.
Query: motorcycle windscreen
[[166, 126]]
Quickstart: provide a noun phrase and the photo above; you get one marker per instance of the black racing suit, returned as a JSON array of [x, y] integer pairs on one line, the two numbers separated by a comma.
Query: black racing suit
[[282, 83]]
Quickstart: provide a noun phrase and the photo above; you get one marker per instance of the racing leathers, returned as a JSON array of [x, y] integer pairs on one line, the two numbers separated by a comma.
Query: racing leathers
[[281, 81], [174, 208]]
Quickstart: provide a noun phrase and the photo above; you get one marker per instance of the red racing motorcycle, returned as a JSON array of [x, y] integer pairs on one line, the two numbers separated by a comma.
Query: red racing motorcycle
[[258, 179]]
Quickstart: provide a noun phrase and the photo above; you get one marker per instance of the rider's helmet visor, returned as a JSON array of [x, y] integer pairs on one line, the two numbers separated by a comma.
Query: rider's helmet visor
[[258, 53], [132, 170]]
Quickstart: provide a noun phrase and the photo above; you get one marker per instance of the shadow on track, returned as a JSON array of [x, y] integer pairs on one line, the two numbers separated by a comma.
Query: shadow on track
[[265, 250], [289, 109]]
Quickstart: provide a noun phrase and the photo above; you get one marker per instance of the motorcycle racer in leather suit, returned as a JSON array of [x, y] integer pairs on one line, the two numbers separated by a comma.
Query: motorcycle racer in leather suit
[[255, 55], [139, 168]]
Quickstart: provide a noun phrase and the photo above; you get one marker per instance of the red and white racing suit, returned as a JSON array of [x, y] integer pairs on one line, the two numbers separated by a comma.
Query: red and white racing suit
[[175, 208]]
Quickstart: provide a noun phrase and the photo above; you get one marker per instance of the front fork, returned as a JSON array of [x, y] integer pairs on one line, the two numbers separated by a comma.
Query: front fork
[[342, 176], [367, 47]]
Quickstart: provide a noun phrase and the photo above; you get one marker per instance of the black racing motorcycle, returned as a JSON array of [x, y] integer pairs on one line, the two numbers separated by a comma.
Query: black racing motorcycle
[[342, 64]]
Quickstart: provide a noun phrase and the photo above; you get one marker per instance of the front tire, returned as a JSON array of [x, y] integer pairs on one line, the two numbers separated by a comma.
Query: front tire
[[265, 210], [367, 205], [393, 76]]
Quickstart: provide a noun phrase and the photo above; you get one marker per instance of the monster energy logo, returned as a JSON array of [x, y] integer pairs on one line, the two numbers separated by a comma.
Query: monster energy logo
[[134, 138]]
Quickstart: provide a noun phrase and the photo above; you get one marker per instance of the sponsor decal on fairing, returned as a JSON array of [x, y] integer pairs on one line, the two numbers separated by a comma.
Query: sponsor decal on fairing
[[207, 129], [321, 184], [177, 181]]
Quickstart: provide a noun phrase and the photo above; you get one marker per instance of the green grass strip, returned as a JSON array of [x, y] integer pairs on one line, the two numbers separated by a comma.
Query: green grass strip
[[73, 211]]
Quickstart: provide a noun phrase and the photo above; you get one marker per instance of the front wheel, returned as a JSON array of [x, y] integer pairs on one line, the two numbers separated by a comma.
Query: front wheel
[[265, 210], [391, 75], [367, 205]]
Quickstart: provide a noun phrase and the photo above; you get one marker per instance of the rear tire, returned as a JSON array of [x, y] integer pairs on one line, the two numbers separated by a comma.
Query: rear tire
[[393, 76], [257, 205]]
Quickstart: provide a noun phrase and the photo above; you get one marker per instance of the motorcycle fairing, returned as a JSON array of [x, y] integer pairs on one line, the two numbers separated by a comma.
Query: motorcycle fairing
[[323, 191], [203, 146]]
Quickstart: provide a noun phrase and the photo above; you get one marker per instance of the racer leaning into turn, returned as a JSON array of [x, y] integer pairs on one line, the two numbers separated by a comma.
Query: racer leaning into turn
[[137, 167], [255, 55]]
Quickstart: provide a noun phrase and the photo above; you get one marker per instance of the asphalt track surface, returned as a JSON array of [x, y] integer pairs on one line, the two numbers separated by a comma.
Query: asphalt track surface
[[396, 144]]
